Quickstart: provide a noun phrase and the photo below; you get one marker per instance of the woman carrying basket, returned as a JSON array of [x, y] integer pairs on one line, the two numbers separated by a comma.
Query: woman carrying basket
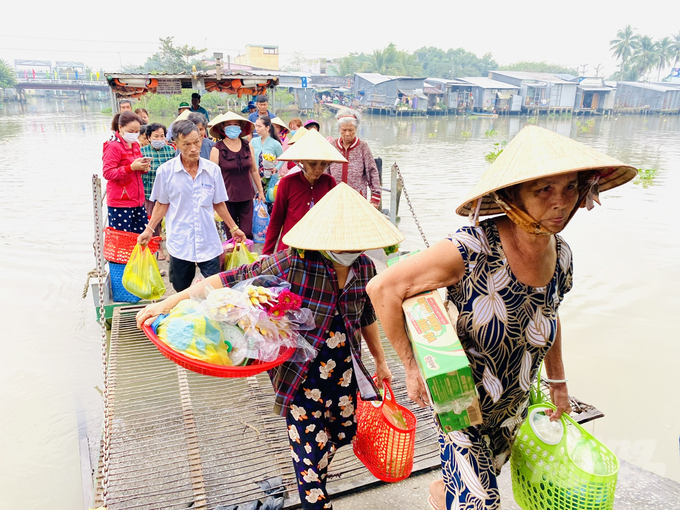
[[326, 266], [507, 277]]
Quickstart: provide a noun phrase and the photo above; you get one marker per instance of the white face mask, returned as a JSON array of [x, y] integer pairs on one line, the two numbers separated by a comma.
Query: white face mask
[[344, 259], [130, 137], [157, 144]]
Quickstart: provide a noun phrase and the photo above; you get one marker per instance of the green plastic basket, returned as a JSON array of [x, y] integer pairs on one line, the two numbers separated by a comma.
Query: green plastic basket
[[545, 477]]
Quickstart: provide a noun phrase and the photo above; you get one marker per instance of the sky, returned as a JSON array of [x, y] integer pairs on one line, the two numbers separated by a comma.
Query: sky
[[107, 35]]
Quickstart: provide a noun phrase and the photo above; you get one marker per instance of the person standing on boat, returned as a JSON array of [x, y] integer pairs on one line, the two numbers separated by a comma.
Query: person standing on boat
[[159, 152], [360, 170], [328, 269], [507, 276], [187, 189], [123, 166], [236, 159], [299, 191]]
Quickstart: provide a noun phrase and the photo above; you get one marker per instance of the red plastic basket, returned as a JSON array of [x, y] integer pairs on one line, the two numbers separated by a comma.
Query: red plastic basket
[[386, 450], [118, 245], [201, 367]]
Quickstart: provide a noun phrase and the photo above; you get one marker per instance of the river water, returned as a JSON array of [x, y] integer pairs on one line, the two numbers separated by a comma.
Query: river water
[[620, 321]]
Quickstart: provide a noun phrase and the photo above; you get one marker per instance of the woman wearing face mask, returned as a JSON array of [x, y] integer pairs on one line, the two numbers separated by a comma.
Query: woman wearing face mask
[[299, 191], [236, 159], [123, 166], [159, 151], [326, 266]]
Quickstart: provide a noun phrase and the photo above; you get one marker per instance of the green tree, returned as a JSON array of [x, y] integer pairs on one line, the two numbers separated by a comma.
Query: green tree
[[676, 49], [625, 43], [438, 63], [539, 67], [170, 59], [377, 62], [665, 54], [646, 56], [405, 64], [345, 66], [8, 78]]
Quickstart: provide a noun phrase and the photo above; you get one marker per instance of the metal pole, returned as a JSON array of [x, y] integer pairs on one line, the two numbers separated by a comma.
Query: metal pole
[[394, 179]]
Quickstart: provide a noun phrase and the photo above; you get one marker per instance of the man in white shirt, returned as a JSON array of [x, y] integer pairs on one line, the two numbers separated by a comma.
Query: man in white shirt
[[188, 188]]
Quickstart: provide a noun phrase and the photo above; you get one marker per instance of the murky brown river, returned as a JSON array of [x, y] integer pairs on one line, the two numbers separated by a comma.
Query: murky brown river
[[620, 321]]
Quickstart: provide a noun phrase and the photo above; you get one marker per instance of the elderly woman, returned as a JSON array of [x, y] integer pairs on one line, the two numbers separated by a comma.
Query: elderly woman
[[360, 171], [123, 166], [299, 191], [507, 277], [327, 268], [236, 159]]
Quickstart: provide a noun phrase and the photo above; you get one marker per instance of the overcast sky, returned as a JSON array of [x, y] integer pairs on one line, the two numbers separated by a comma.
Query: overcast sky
[[106, 34]]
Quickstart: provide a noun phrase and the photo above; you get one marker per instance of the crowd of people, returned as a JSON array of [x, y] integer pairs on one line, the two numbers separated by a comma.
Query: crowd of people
[[507, 275]]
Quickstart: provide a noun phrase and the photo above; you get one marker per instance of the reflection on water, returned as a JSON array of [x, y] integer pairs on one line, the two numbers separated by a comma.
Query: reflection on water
[[620, 321]]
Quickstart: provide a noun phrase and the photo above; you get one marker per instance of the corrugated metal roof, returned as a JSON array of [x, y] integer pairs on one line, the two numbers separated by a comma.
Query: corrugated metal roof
[[432, 90], [596, 89], [524, 75], [488, 83], [660, 87], [375, 78]]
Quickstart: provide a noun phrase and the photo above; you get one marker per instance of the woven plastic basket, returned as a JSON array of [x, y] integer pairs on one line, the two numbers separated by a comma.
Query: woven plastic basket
[[545, 477], [386, 450], [118, 245], [120, 294]]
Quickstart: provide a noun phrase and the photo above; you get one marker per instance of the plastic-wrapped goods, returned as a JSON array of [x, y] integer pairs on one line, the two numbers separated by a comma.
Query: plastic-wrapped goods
[[260, 221]]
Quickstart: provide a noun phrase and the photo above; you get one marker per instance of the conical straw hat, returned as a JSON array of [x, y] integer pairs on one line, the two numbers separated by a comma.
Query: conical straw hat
[[343, 220], [216, 130], [279, 122], [536, 153], [312, 147], [182, 116], [298, 134]]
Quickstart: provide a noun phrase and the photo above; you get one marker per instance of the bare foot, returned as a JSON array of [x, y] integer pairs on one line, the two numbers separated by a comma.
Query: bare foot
[[438, 491], [160, 255]]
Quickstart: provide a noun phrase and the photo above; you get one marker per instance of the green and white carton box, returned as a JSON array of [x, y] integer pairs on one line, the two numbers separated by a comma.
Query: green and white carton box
[[442, 361]]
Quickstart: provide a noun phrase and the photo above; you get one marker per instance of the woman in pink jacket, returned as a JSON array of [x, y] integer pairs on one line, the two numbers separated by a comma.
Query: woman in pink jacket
[[123, 163]]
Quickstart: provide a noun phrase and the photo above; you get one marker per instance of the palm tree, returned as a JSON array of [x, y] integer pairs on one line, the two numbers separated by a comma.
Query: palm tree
[[676, 49], [377, 62], [665, 51], [625, 44], [405, 64], [646, 55], [345, 66]]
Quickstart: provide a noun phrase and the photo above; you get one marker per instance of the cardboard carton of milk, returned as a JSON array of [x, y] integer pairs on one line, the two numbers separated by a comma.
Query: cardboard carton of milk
[[442, 361]]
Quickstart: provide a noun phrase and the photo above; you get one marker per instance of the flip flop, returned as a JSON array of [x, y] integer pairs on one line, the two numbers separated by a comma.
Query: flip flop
[[432, 502]]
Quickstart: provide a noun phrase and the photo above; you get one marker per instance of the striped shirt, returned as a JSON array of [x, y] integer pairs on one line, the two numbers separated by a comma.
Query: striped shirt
[[314, 278]]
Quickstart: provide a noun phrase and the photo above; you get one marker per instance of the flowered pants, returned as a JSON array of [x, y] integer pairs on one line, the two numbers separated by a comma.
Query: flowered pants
[[321, 417]]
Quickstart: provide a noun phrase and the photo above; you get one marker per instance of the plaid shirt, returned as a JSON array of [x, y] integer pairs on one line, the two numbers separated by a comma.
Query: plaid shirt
[[315, 279], [158, 158]]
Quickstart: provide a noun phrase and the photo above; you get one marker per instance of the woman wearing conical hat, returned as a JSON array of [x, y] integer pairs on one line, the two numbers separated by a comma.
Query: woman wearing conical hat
[[299, 191], [326, 266], [507, 277]]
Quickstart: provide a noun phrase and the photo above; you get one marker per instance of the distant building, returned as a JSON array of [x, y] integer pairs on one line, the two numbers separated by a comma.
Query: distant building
[[490, 95], [594, 95], [262, 57], [540, 91], [655, 97], [379, 92], [456, 93]]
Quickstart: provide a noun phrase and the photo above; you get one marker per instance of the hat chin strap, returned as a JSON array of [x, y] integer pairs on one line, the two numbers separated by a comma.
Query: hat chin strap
[[588, 194]]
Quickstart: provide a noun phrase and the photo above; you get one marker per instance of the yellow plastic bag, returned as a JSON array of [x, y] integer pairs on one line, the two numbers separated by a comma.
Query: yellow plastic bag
[[238, 257], [189, 331], [141, 276]]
